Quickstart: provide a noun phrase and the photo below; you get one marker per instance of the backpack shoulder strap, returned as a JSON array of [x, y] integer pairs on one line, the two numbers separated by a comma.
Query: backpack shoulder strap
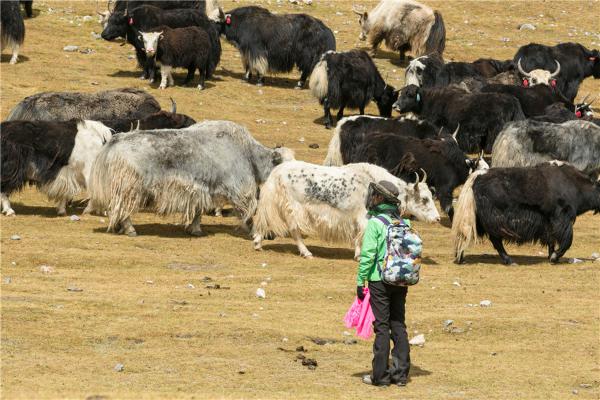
[[382, 219]]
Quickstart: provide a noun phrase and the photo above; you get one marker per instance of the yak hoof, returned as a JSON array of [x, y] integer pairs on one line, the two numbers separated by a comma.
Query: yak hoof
[[327, 126], [10, 212], [161, 87], [554, 258], [200, 87], [143, 77], [259, 84], [131, 233], [308, 256], [61, 213], [13, 61], [197, 233]]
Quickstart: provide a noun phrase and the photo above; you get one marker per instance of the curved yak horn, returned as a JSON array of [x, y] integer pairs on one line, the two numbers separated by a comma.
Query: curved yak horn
[[173, 106], [416, 179], [455, 134], [356, 11], [521, 70], [552, 75], [481, 155], [424, 180]]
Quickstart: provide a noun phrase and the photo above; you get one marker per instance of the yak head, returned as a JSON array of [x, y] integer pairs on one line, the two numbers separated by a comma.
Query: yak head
[[584, 110], [386, 101], [539, 76], [151, 40], [419, 200], [423, 70], [116, 26], [477, 164], [363, 20], [593, 57], [409, 100]]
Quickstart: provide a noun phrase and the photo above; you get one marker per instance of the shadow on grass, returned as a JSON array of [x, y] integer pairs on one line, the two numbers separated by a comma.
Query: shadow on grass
[[415, 371], [494, 259], [274, 81], [5, 58], [318, 252], [22, 209], [167, 230], [385, 54]]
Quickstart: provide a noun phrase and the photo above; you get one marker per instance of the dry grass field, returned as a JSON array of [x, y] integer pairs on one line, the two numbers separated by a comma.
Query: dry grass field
[[147, 302]]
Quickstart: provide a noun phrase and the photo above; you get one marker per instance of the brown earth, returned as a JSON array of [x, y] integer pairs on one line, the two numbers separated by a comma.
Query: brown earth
[[539, 339]]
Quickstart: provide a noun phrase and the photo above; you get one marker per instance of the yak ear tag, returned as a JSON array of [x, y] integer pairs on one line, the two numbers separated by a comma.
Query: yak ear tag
[[228, 20], [130, 22], [418, 97], [578, 114]]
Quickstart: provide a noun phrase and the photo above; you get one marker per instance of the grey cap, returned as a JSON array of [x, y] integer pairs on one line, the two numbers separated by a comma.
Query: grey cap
[[387, 189]]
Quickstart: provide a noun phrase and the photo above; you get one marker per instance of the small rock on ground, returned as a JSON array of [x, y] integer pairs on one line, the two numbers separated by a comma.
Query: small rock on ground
[[260, 293], [119, 367], [418, 340], [15, 237], [485, 303], [74, 218], [70, 48], [527, 27]]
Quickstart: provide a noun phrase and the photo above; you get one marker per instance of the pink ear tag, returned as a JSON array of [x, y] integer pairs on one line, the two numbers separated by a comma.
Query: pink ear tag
[[130, 21], [578, 114]]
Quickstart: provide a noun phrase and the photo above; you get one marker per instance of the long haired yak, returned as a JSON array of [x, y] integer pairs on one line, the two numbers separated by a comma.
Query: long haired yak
[[350, 79], [276, 43], [12, 27], [528, 143], [521, 205], [108, 104], [405, 25]]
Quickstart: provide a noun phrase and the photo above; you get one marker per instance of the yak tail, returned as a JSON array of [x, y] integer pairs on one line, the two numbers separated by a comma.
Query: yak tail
[[436, 40], [272, 204], [464, 223], [319, 83], [334, 153]]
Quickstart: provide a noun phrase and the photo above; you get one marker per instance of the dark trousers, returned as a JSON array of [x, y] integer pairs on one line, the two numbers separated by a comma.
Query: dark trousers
[[388, 303]]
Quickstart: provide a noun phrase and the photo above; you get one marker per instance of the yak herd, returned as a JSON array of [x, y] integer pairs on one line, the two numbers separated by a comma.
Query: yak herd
[[127, 154]]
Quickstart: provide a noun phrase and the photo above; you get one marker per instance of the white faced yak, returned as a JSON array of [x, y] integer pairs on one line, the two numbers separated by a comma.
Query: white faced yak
[[12, 27], [188, 47], [131, 20], [108, 104], [529, 143], [56, 156], [405, 25], [276, 43], [329, 202], [523, 204], [188, 171], [350, 79], [481, 115], [576, 64]]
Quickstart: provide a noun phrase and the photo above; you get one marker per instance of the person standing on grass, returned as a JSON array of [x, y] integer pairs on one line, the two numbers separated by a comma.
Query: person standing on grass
[[387, 301]]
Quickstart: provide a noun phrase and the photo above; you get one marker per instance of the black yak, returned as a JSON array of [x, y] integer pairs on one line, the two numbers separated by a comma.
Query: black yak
[[12, 27], [576, 63], [481, 116], [521, 205], [276, 43], [350, 79]]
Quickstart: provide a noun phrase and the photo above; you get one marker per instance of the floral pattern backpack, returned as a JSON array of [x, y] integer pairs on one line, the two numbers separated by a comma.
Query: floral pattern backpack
[[402, 260]]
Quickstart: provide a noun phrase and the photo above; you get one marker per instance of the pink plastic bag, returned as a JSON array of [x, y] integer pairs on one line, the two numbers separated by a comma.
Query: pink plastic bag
[[360, 316]]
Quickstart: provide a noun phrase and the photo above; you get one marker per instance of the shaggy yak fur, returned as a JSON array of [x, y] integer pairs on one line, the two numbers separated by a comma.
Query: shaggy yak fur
[[276, 43], [12, 27], [440, 162], [129, 23], [352, 132], [481, 115], [329, 202], [160, 120], [405, 25], [186, 171], [533, 100], [62, 106], [528, 143], [54, 155], [520, 205], [350, 79], [576, 63], [181, 47], [431, 71]]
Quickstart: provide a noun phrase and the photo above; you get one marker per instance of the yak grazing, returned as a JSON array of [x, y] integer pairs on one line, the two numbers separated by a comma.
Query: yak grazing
[[189, 171], [350, 79], [523, 204], [277, 43], [404, 25], [300, 198]]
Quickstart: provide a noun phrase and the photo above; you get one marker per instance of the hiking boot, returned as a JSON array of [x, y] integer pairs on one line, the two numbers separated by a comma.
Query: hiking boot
[[366, 379]]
